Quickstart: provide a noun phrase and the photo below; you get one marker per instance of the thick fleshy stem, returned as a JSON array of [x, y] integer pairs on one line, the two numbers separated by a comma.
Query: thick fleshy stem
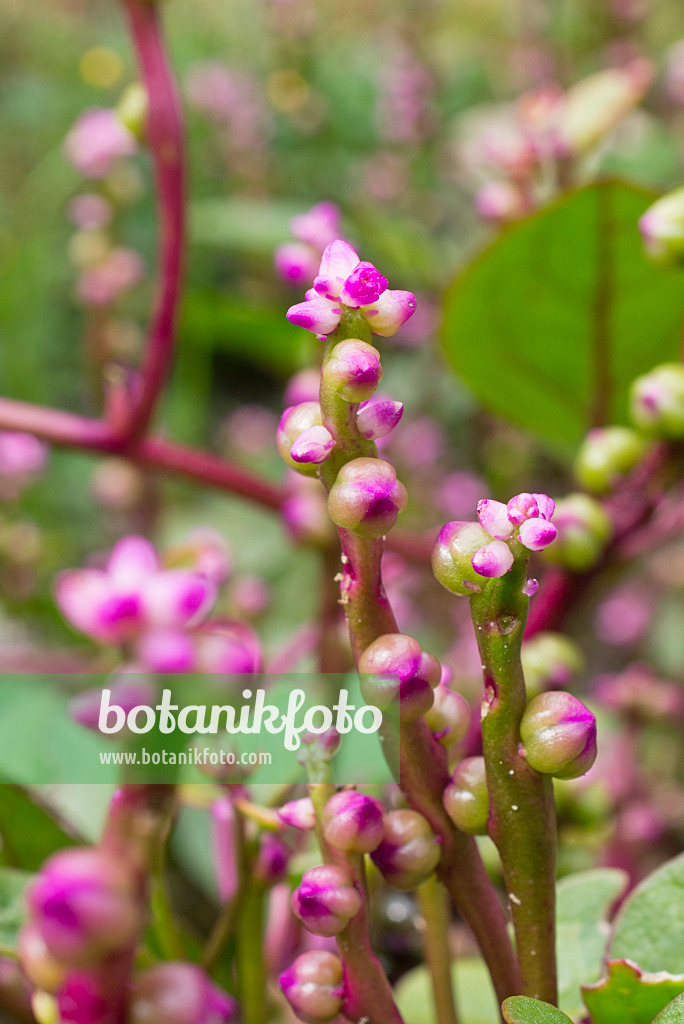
[[423, 765], [435, 911], [367, 991], [522, 816], [165, 137]]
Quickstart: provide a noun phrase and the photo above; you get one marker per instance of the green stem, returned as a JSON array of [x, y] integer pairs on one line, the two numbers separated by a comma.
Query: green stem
[[522, 818], [435, 910], [421, 760], [250, 958]]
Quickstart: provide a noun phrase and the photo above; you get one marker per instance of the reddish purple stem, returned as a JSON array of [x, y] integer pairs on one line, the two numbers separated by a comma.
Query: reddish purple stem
[[165, 138]]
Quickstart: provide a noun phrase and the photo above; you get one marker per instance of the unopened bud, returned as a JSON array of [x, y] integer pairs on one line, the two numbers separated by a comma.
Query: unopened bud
[[353, 822], [550, 660], [272, 859], [353, 370], [299, 814], [466, 798], [85, 904], [662, 228], [394, 666], [597, 103], [314, 987], [178, 993], [409, 851], [326, 900], [584, 529], [37, 962], [378, 417], [657, 401], [367, 497], [294, 421], [606, 455], [558, 734], [449, 717], [452, 557], [312, 446]]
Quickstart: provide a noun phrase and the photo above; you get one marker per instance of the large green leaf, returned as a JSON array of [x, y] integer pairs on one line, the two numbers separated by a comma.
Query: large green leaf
[[628, 995], [673, 1012], [12, 886], [525, 1010], [28, 832], [550, 324], [650, 926], [584, 900]]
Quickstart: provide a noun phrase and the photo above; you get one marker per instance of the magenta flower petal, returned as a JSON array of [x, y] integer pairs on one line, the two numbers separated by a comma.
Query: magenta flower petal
[[82, 595], [390, 311], [522, 507], [167, 651], [493, 559], [546, 505], [317, 315], [295, 263], [493, 516], [377, 417], [536, 534], [132, 560], [313, 445], [177, 598], [337, 263]]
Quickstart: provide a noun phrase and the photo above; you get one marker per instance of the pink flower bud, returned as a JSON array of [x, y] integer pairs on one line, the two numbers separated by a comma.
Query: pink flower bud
[[295, 420], [537, 534], [326, 900], [558, 735], [128, 691], [304, 386], [21, 455], [493, 516], [493, 559], [353, 370], [103, 283], [85, 904], [449, 717], [272, 859], [166, 650], [365, 284], [319, 226], [314, 987], [367, 497], [299, 814], [96, 141], [224, 646], [353, 822], [500, 202], [378, 417], [89, 211], [296, 263], [521, 507], [394, 666], [313, 445], [223, 847], [466, 798], [452, 557], [409, 851], [178, 993]]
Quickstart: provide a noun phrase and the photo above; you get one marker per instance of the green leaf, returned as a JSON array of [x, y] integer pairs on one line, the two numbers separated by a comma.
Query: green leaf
[[12, 887], [673, 1012], [628, 995], [525, 1010], [650, 926], [475, 997], [551, 323], [29, 834], [584, 900]]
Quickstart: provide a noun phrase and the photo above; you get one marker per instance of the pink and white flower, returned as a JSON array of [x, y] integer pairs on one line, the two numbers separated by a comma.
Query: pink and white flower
[[346, 281], [527, 515]]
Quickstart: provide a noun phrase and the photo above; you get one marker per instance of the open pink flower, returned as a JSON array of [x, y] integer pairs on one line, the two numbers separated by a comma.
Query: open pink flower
[[344, 280], [133, 597]]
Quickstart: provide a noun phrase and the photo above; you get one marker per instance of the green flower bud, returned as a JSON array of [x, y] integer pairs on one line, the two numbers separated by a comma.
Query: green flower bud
[[452, 557], [584, 530], [132, 109], [466, 798], [396, 667], [409, 851], [606, 455], [449, 717], [550, 660], [662, 228], [558, 734], [367, 497], [656, 401]]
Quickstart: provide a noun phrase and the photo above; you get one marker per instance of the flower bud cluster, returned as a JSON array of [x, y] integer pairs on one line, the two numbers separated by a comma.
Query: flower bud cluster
[[396, 668], [466, 552], [155, 614], [346, 282]]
